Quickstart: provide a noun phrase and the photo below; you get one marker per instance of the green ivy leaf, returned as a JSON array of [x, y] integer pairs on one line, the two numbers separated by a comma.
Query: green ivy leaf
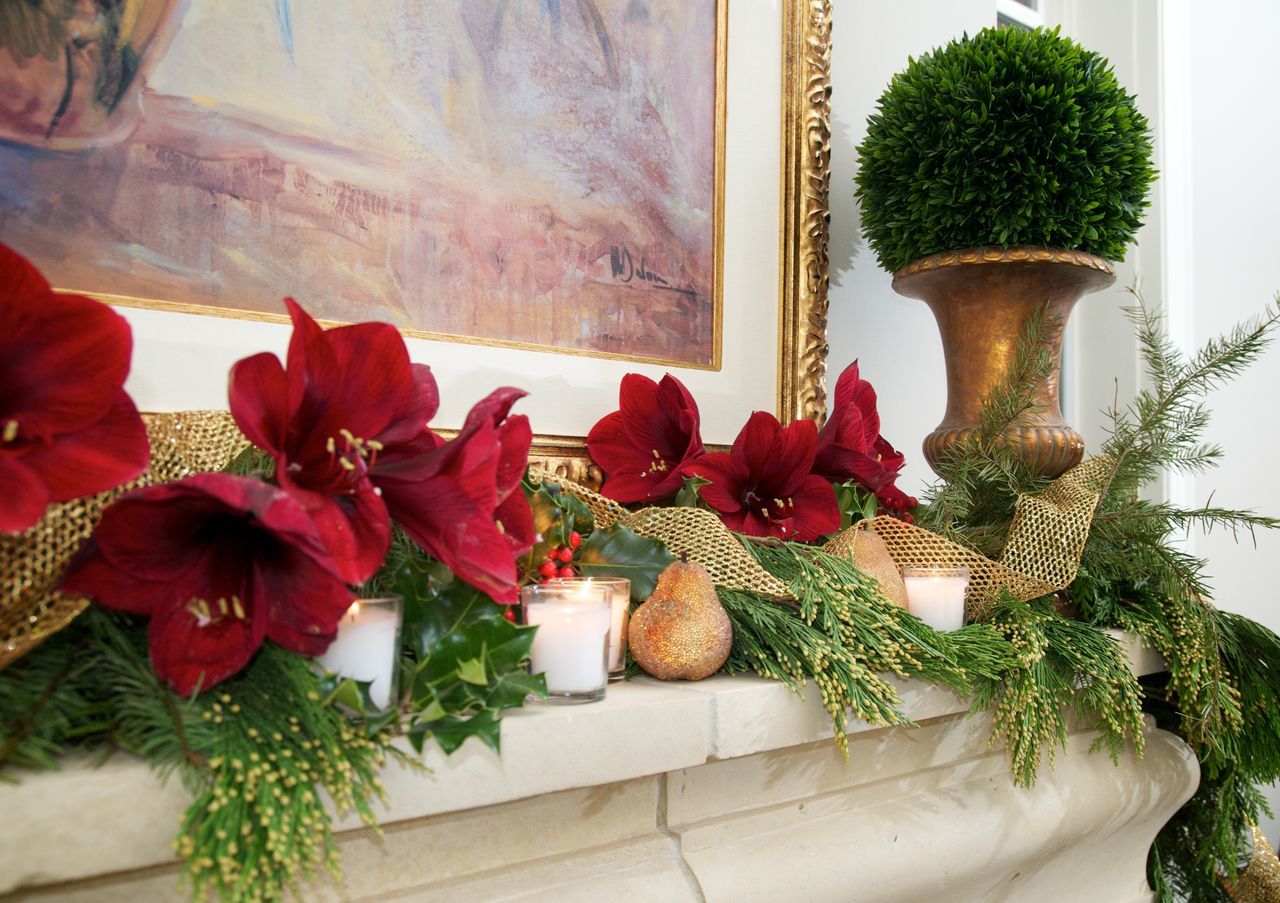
[[617, 552]]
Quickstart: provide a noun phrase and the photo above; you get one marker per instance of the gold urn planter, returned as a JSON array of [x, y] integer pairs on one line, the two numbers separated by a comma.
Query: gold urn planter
[[982, 299]]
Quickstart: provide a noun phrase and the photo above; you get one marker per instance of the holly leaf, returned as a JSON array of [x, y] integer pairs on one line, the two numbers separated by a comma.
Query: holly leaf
[[451, 733], [473, 671], [856, 503], [617, 552], [689, 496]]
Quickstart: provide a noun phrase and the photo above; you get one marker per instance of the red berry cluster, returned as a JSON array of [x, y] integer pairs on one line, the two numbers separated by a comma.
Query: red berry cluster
[[559, 560]]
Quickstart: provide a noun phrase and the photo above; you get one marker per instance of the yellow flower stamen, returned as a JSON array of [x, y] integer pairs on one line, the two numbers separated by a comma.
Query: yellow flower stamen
[[10, 431]]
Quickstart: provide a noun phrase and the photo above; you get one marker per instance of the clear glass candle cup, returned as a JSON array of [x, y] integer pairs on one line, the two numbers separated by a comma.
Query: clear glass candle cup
[[367, 647], [571, 647], [936, 595], [620, 611]]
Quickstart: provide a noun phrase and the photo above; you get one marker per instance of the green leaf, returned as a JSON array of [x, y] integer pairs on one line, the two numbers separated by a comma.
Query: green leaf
[[688, 496], [473, 671], [617, 552], [451, 733]]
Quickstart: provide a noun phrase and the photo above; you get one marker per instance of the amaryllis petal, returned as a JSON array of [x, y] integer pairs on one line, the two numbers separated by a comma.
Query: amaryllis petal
[[64, 366], [856, 395], [645, 446], [724, 475], [308, 621], [191, 655], [25, 496], [793, 451], [515, 435], [91, 574], [630, 475], [412, 421], [446, 499], [66, 425], [756, 442], [218, 560], [817, 512], [259, 400], [110, 451], [516, 520], [355, 528]]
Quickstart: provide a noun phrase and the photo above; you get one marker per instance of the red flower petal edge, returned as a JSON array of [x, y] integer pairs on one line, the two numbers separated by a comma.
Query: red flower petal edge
[[462, 501]]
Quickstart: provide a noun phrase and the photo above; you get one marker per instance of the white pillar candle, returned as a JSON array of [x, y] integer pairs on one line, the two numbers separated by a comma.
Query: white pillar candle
[[936, 595], [367, 646], [620, 605], [570, 647]]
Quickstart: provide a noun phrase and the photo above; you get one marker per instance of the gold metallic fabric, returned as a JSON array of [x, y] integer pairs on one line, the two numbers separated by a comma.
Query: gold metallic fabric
[[1041, 555]]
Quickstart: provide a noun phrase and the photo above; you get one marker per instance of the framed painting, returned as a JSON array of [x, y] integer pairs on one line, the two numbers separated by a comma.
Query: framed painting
[[540, 193]]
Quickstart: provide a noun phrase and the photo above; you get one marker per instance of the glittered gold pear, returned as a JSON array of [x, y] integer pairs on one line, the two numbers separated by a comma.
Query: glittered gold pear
[[871, 556], [681, 632]]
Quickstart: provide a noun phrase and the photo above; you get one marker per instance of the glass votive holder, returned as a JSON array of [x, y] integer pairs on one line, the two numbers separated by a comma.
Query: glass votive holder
[[936, 595], [571, 647], [620, 613], [367, 647]]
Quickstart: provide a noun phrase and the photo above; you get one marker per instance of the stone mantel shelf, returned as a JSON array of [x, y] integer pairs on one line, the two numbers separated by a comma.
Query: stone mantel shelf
[[662, 788]]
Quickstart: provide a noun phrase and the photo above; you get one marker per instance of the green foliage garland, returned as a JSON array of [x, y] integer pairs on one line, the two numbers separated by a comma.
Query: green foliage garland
[[1005, 138]]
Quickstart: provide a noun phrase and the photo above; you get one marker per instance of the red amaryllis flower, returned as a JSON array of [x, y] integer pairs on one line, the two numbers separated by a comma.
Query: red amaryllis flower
[[218, 562], [347, 396], [850, 446], [462, 501], [645, 447], [763, 486], [67, 427]]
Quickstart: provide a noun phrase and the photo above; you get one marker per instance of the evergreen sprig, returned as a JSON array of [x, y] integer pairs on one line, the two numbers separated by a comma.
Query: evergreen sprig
[[1062, 666]]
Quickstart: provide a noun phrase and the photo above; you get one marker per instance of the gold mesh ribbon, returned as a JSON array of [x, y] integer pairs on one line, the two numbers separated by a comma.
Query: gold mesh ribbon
[[1041, 554], [1260, 881], [32, 562], [691, 533]]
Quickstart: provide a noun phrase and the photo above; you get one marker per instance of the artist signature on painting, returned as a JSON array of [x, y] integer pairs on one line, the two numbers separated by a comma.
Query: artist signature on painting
[[625, 269]]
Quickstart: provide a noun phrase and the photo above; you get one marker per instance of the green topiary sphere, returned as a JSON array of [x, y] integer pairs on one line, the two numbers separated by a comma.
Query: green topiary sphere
[[1008, 138]]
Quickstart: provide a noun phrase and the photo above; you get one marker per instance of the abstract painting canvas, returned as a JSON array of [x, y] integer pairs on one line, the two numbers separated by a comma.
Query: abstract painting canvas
[[540, 173]]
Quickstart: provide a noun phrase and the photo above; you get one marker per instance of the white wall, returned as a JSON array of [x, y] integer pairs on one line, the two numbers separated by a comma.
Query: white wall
[[894, 338], [1234, 196]]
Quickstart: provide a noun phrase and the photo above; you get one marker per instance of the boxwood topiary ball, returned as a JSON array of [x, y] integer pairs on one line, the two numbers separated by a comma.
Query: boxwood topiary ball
[[1006, 138]]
